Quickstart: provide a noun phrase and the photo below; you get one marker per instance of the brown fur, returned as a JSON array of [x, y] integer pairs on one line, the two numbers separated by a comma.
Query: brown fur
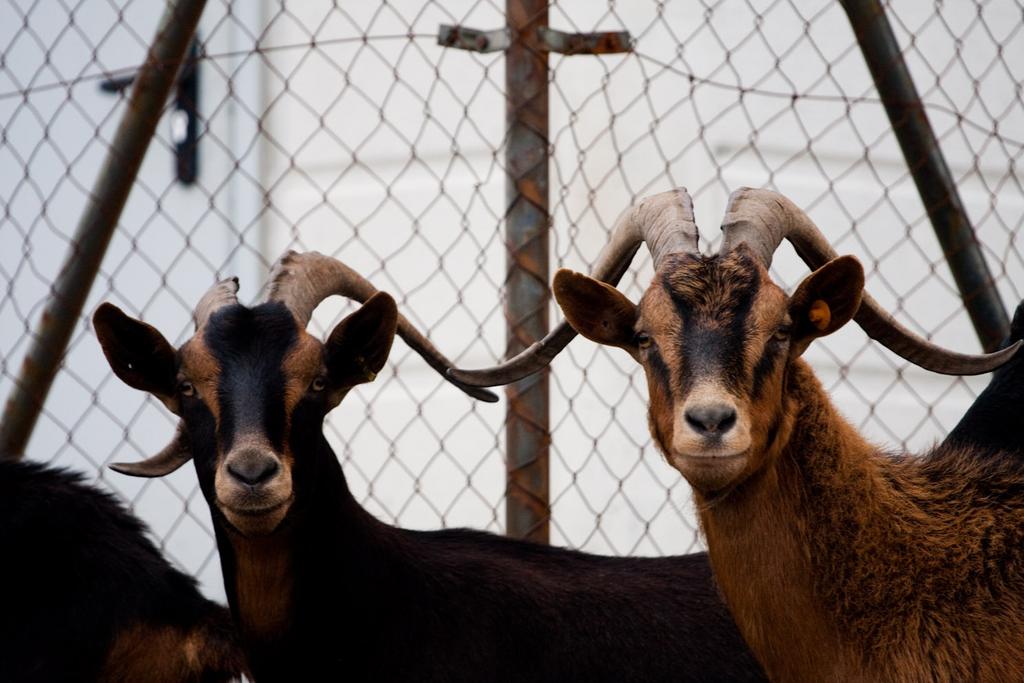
[[301, 366], [842, 563], [199, 367], [709, 286], [838, 561], [263, 585], [599, 307], [165, 654]]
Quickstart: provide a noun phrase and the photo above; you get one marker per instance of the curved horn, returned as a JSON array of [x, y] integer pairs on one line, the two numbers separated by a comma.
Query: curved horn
[[762, 219], [302, 281], [664, 222], [173, 456], [221, 294]]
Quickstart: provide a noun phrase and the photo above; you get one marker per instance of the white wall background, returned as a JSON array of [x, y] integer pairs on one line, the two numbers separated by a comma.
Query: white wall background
[[381, 147]]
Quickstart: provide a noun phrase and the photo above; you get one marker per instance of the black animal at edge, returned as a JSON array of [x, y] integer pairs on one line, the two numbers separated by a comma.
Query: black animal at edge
[[993, 423], [86, 596]]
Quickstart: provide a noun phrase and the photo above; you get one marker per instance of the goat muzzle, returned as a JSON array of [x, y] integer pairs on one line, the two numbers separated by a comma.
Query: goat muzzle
[[252, 467], [253, 488]]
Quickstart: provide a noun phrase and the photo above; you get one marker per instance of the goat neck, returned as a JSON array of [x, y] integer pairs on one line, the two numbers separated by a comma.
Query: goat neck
[[841, 562], [276, 583], [770, 585]]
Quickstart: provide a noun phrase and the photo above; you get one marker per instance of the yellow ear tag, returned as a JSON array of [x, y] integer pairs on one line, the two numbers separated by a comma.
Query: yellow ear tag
[[820, 315], [367, 372]]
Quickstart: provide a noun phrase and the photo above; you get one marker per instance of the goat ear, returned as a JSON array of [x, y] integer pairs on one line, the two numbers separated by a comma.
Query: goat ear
[[137, 353], [825, 301], [596, 310], [359, 346]]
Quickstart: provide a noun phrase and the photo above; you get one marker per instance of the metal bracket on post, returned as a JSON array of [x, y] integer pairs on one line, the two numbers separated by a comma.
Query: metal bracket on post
[[527, 41], [184, 114], [498, 40], [96, 226], [599, 43], [472, 39]]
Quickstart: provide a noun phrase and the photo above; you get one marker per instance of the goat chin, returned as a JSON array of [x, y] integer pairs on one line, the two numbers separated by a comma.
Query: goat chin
[[256, 522], [710, 464], [710, 472]]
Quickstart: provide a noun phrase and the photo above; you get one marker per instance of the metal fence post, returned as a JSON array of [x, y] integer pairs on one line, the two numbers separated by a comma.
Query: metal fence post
[[96, 227], [928, 166], [526, 41], [527, 435]]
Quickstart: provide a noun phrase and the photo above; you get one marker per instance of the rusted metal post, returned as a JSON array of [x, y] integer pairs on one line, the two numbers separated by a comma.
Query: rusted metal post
[[527, 40], [928, 166], [527, 435], [92, 236]]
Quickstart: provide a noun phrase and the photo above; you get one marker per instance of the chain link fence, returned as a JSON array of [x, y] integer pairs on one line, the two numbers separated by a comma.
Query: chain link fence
[[345, 127]]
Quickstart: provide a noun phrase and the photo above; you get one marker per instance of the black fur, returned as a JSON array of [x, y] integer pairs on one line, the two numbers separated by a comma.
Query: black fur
[[78, 569], [374, 602], [252, 382], [993, 422], [766, 365], [714, 349], [662, 375]]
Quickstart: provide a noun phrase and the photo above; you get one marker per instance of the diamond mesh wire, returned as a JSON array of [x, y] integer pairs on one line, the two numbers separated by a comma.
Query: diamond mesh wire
[[344, 127]]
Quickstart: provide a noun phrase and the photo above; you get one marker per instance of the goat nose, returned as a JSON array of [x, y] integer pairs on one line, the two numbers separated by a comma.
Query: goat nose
[[708, 420], [253, 469]]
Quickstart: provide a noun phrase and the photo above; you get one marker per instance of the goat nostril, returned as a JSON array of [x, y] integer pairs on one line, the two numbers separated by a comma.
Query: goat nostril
[[253, 471], [711, 419]]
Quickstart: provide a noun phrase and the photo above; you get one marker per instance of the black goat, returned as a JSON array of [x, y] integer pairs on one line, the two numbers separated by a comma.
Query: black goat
[[321, 589], [85, 595], [992, 423]]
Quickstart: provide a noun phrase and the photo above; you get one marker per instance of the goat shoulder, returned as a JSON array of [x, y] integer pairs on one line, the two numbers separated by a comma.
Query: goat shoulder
[[914, 562]]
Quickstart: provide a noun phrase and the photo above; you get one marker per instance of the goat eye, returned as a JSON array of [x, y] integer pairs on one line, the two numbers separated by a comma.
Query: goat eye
[[781, 334], [186, 389], [318, 384], [643, 340]]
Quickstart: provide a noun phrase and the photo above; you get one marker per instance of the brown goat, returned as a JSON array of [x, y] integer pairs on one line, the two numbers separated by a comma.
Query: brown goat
[[839, 562]]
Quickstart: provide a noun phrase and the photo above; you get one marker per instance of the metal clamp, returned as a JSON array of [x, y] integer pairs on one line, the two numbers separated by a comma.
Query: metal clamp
[[497, 40], [472, 39], [599, 43]]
